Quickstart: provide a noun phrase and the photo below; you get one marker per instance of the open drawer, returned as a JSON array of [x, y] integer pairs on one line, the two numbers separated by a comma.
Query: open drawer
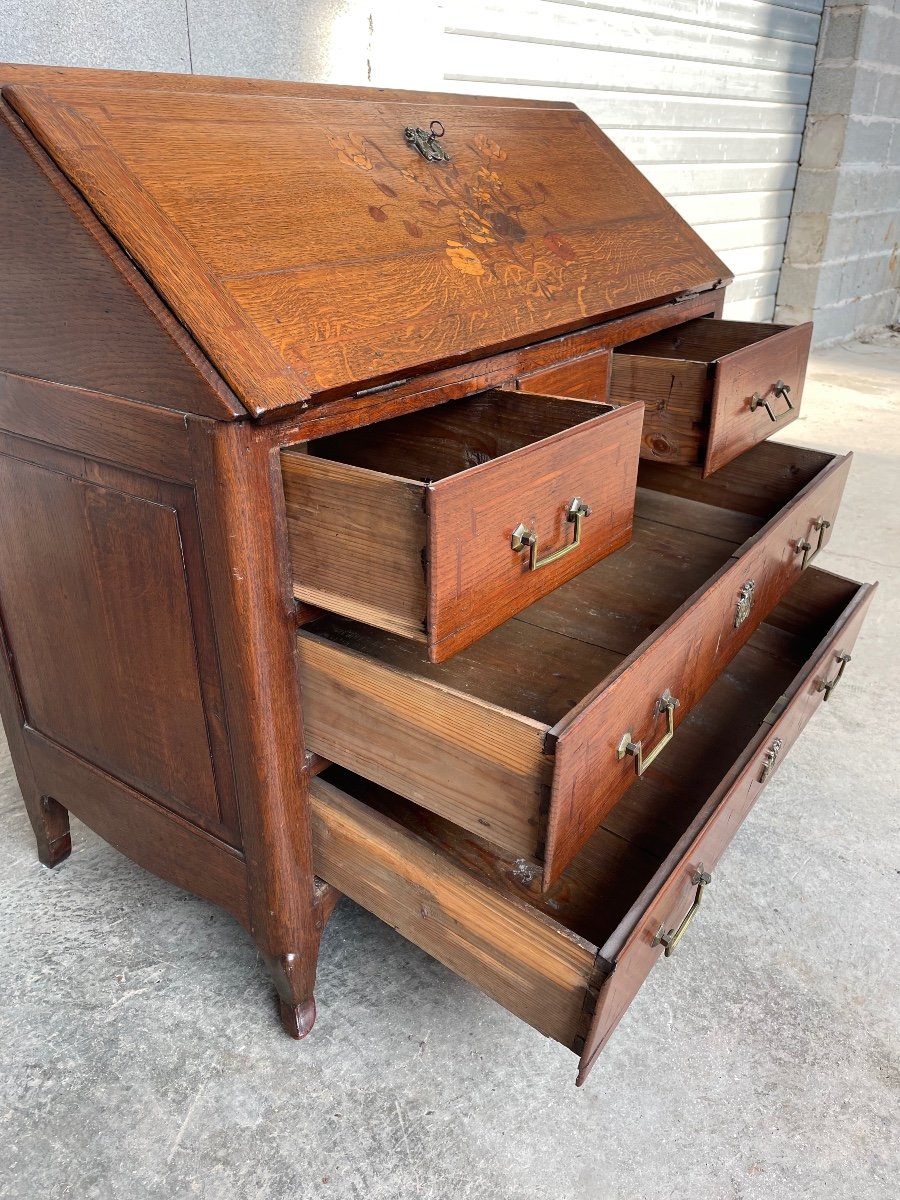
[[712, 388], [570, 961], [441, 524], [531, 736]]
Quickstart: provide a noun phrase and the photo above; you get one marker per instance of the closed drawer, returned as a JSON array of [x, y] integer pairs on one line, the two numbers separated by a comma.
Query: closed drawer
[[532, 735], [712, 388], [441, 524], [570, 961]]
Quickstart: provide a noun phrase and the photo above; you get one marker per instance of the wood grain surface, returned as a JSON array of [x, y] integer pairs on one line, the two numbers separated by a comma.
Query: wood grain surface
[[697, 381], [657, 615], [536, 225], [684, 657], [517, 956], [96, 673], [74, 308], [669, 895], [590, 936], [476, 581], [407, 524], [780, 356]]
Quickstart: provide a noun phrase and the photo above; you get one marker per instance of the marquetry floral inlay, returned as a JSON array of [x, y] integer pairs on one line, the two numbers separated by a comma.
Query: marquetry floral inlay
[[493, 224]]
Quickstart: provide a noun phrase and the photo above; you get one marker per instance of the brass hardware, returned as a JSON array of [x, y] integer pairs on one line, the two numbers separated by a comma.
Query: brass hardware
[[522, 537], [665, 704], [426, 141], [828, 685], [744, 603], [805, 545], [779, 389], [671, 939], [769, 759]]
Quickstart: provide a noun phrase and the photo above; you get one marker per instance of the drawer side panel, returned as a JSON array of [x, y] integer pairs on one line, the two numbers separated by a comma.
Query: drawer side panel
[[473, 763], [516, 956], [357, 542]]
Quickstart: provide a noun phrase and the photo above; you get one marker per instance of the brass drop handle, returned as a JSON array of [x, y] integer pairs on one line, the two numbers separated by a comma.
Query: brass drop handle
[[671, 938], [804, 545], [665, 704], [779, 389], [523, 538], [828, 685]]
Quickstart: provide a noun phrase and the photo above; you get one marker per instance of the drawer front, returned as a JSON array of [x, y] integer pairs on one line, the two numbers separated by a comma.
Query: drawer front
[[674, 892], [681, 661], [756, 390], [476, 580]]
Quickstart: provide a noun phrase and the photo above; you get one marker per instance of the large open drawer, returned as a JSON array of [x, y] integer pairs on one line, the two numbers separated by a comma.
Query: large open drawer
[[570, 961], [711, 388], [532, 735], [440, 524]]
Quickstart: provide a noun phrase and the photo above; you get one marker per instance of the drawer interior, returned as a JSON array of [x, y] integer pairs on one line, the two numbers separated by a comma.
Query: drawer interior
[[705, 340], [543, 662], [596, 891], [438, 442]]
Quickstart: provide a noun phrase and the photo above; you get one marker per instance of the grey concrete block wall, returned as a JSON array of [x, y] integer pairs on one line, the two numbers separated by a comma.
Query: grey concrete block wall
[[842, 258], [318, 41]]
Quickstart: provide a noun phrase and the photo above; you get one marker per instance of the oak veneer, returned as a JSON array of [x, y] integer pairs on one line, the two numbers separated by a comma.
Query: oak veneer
[[536, 225]]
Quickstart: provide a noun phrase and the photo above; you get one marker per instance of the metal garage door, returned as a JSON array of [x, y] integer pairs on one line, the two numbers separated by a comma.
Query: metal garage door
[[708, 97]]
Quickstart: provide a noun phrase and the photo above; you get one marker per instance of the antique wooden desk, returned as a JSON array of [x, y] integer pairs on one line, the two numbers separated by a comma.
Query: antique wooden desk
[[386, 510]]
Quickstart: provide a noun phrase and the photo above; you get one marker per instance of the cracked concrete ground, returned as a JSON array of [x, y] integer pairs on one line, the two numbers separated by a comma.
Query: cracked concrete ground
[[140, 1055]]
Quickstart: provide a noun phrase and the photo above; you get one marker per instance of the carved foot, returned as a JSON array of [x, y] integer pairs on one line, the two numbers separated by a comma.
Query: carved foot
[[294, 976], [50, 822], [297, 1019]]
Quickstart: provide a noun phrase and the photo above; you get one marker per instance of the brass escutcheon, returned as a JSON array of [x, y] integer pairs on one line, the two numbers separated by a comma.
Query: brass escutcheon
[[426, 141], [744, 603], [770, 758]]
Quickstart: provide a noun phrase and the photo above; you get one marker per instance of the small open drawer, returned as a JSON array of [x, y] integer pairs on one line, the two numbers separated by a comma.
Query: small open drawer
[[530, 736], [441, 524], [712, 388], [570, 961]]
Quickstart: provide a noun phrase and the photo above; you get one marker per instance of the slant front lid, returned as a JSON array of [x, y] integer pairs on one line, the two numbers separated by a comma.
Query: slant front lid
[[312, 250]]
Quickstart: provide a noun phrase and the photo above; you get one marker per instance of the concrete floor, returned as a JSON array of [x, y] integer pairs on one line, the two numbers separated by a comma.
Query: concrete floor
[[140, 1057]]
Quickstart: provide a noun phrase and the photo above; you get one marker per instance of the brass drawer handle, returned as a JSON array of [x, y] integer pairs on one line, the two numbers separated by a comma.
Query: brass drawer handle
[[828, 685], [806, 546], [780, 389], [522, 537], [671, 939], [665, 704]]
